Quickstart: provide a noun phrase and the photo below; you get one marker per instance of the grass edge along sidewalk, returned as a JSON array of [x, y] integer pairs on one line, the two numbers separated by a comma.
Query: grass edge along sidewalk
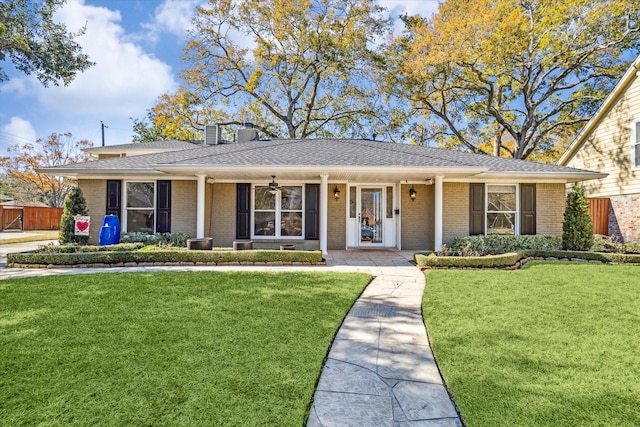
[[192, 348], [8, 237]]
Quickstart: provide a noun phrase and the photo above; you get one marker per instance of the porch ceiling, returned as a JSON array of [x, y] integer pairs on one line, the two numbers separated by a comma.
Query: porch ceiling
[[335, 174]]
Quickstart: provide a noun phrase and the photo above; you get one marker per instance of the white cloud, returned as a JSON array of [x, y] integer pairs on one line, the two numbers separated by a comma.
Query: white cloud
[[125, 80], [424, 8], [172, 17], [17, 131]]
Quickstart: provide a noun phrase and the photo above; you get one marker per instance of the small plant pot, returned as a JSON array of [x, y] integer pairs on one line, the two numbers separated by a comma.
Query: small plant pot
[[242, 245], [203, 244], [287, 247]]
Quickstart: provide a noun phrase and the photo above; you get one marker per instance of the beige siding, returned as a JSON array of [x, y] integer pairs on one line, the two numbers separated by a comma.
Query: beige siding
[[337, 218], [109, 156], [222, 216], [95, 193], [550, 204], [455, 208], [183, 207], [608, 149], [417, 218]]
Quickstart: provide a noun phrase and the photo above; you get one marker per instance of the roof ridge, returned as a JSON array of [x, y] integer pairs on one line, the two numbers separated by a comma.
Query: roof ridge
[[232, 148]]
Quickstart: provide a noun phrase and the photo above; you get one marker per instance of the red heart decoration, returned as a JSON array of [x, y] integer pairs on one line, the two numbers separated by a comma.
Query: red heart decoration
[[82, 225]]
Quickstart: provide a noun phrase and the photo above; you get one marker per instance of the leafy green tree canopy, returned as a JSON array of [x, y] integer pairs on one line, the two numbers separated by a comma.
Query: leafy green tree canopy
[[292, 68], [511, 77], [36, 44]]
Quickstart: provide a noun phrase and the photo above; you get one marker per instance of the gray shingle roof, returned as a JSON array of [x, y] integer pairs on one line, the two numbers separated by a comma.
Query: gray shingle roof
[[315, 153], [163, 145]]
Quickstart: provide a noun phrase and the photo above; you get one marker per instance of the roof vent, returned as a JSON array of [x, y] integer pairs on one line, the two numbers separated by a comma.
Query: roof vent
[[212, 134]]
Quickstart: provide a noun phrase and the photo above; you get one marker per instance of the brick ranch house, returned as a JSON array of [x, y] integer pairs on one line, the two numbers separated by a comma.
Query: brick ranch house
[[320, 193]]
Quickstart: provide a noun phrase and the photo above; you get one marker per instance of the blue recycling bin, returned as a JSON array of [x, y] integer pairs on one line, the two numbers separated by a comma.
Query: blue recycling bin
[[110, 231]]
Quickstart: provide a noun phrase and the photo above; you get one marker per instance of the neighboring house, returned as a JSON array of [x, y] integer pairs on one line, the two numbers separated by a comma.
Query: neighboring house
[[610, 143], [320, 193]]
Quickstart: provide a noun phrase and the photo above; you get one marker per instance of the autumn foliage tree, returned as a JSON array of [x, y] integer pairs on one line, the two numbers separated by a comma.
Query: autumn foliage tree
[[292, 68], [512, 77], [24, 160]]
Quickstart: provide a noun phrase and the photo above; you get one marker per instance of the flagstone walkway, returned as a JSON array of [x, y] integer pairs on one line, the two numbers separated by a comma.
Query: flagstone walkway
[[380, 370]]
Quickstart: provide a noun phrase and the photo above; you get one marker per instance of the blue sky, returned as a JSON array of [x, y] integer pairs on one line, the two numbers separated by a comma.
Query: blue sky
[[136, 45]]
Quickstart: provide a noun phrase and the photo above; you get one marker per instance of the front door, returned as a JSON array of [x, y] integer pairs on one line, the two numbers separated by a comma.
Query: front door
[[371, 216]]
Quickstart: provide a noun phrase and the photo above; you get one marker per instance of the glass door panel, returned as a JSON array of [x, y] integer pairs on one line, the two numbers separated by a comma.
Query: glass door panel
[[372, 211]]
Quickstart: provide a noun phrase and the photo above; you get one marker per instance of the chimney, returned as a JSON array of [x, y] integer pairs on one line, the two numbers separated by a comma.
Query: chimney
[[248, 133], [212, 134]]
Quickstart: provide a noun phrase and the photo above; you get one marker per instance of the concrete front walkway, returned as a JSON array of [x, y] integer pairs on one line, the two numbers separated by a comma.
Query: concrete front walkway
[[380, 370]]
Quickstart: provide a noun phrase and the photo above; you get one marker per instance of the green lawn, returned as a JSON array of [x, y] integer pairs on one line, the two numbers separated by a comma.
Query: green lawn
[[554, 344], [167, 349]]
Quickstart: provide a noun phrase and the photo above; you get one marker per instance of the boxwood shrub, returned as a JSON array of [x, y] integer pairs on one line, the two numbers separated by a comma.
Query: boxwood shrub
[[173, 239], [500, 244], [488, 261], [69, 249]]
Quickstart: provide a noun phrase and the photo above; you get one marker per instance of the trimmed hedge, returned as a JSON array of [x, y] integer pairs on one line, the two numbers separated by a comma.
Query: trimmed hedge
[[70, 249], [512, 259], [487, 261], [165, 256], [495, 244]]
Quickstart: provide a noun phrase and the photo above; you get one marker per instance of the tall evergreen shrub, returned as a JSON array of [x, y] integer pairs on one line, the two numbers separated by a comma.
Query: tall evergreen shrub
[[74, 205], [577, 228]]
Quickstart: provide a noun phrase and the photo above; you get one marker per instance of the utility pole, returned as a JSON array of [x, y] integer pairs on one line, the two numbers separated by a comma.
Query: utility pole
[[103, 126]]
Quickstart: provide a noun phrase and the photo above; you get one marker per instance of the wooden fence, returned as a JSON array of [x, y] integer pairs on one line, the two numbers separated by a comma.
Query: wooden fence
[[599, 211], [30, 218]]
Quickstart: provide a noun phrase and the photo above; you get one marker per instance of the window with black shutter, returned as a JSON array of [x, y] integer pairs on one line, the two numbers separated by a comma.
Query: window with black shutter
[[312, 212], [476, 209], [243, 211], [163, 207], [114, 197], [527, 208]]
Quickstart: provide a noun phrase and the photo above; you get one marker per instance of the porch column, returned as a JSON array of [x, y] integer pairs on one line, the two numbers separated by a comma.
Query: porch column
[[324, 184], [200, 206], [438, 214]]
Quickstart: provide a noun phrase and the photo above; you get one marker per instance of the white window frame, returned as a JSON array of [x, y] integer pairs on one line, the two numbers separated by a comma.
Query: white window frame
[[278, 213], [125, 209], [516, 225], [635, 143]]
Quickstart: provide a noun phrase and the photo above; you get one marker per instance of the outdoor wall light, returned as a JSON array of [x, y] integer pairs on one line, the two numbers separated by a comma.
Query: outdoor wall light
[[336, 193], [412, 193]]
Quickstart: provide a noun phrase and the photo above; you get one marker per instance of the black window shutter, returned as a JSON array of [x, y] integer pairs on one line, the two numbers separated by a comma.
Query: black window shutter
[[312, 212], [114, 196], [243, 211], [163, 207], [527, 209], [476, 209]]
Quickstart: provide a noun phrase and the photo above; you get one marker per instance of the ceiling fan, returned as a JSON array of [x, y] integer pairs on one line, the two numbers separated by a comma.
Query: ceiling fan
[[273, 185]]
